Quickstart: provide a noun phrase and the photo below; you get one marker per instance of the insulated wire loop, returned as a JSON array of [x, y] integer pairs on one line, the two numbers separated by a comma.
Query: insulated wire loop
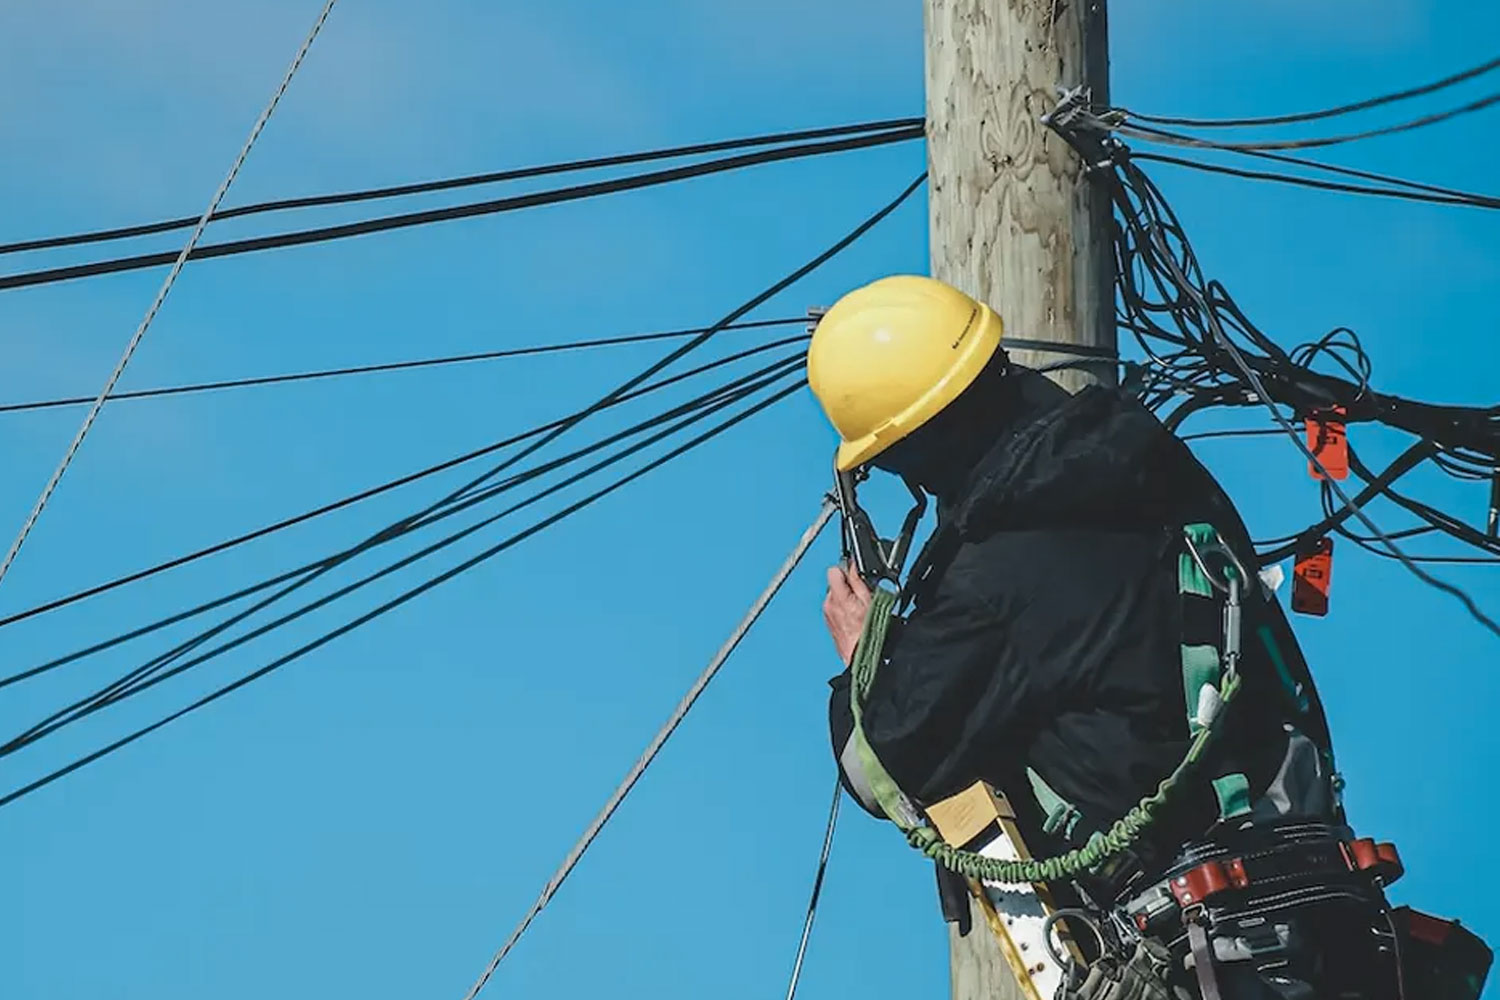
[[1213, 368], [180, 258]]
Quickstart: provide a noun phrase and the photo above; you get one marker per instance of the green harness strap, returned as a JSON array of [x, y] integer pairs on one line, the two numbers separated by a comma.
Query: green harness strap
[[908, 818]]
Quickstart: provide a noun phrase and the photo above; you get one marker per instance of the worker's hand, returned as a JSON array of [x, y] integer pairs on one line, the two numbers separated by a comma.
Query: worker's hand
[[844, 609]]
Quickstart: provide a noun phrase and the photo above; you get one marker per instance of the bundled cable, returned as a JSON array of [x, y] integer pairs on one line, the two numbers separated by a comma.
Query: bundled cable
[[167, 665], [1201, 347], [1148, 128], [390, 605], [404, 220], [458, 183], [475, 491]]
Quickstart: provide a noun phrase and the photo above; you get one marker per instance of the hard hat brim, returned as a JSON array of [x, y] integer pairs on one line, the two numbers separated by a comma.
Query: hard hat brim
[[982, 345]]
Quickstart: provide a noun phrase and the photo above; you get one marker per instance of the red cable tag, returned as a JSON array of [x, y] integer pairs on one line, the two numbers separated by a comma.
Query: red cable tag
[[1326, 439], [1312, 575]]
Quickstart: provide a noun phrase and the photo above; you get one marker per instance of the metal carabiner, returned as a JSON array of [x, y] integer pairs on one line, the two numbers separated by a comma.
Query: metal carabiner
[[1231, 586]]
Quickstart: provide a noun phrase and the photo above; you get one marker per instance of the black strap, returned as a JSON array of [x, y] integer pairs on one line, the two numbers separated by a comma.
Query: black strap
[[1203, 959]]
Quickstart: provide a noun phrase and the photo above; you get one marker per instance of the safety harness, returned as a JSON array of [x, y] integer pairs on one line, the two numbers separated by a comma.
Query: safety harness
[[1211, 583], [1211, 682]]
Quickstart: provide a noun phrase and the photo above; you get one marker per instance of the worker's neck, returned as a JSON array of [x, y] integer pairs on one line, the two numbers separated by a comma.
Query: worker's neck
[[983, 425]]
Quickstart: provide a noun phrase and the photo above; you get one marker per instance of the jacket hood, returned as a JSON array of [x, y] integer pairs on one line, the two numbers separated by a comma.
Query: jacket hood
[[1097, 459]]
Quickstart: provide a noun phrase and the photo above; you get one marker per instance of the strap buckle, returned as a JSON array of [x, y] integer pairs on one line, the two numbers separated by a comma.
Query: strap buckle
[[1380, 860], [1196, 885]]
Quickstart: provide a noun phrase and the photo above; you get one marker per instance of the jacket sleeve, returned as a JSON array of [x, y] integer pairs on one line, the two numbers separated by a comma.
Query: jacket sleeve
[[841, 730], [954, 701]]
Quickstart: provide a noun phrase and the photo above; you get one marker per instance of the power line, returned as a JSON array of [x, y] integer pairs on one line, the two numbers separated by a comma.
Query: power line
[[386, 534], [180, 260], [454, 183], [734, 316], [570, 861], [1240, 433], [551, 432], [817, 890], [469, 210], [1343, 109], [386, 607], [1210, 317], [1151, 248], [1448, 195], [156, 670], [609, 398], [1456, 198], [392, 366], [1377, 485], [1479, 104]]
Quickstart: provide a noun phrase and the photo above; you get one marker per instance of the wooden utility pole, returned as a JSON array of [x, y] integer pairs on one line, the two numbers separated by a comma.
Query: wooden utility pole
[[1016, 224]]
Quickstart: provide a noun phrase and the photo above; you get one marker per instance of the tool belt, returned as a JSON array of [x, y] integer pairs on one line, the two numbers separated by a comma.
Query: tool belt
[[1243, 900], [1141, 977], [1296, 870]]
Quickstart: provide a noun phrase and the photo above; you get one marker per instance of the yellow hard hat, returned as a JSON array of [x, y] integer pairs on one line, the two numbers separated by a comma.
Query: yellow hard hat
[[887, 357]]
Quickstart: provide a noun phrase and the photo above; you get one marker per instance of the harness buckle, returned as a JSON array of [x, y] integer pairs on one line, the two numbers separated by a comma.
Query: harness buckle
[[1195, 886], [1380, 860]]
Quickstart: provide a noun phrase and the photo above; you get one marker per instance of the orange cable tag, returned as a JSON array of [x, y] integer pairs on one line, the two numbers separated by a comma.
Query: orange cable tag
[[1312, 576], [1326, 438]]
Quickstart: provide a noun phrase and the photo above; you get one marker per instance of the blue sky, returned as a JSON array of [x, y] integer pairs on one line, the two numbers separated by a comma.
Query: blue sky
[[373, 819]]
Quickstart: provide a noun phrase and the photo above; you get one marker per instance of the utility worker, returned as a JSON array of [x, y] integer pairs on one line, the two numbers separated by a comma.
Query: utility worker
[[1055, 653]]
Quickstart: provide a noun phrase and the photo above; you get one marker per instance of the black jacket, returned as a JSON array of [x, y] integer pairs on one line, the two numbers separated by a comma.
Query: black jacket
[[1047, 633]]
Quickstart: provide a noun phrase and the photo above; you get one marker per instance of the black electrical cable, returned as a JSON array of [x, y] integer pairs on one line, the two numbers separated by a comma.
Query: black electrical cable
[[1211, 318], [394, 603], [392, 366], [1151, 246], [1470, 200], [1375, 550], [389, 533], [681, 351], [155, 671], [1376, 486], [347, 501], [1319, 142], [712, 401], [1466, 197], [1240, 433], [464, 211], [733, 316], [1307, 116], [816, 893], [470, 180], [306, 574], [1449, 525]]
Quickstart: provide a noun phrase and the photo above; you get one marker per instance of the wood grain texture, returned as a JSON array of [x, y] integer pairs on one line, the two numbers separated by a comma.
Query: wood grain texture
[[977, 967], [1013, 221]]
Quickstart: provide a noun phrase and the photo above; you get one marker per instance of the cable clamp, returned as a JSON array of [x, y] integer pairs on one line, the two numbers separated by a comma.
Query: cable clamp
[[1072, 105]]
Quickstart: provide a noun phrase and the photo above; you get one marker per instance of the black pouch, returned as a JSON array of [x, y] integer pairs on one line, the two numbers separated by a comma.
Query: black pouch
[[1141, 977], [1440, 959]]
